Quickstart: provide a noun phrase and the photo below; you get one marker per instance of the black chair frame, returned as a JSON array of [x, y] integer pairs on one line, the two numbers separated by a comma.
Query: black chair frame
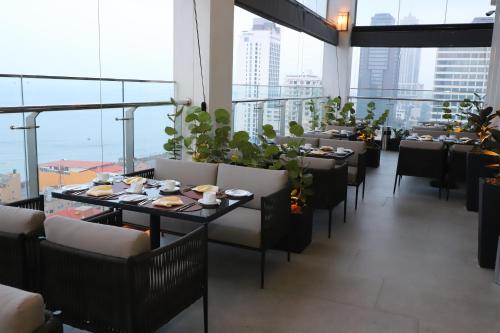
[[360, 178]]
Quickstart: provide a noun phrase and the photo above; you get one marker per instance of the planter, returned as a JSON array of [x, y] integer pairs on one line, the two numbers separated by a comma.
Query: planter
[[394, 144], [300, 232], [489, 222], [477, 161], [373, 156]]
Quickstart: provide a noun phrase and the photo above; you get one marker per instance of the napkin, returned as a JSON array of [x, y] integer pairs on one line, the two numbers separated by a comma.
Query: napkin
[[168, 201], [131, 180], [101, 190], [206, 188], [326, 148]]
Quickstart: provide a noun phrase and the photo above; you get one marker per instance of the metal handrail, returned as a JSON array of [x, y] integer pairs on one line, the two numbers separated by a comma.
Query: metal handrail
[[80, 78], [406, 99], [277, 99], [72, 107]]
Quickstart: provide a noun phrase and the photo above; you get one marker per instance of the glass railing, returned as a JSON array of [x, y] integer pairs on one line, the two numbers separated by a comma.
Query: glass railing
[[408, 108], [57, 131]]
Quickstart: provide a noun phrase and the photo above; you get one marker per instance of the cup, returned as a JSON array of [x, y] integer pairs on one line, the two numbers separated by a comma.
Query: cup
[[102, 177], [136, 187], [340, 150], [442, 137], [308, 146], [453, 136], [209, 198], [169, 185]]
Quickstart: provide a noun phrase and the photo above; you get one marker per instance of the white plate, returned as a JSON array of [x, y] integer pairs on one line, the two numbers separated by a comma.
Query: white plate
[[132, 197], [175, 189], [238, 193], [76, 187], [132, 192], [177, 183], [97, 181], [209, 204]]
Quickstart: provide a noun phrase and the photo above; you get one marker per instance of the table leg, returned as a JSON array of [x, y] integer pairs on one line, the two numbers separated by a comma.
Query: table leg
[[154, 230]]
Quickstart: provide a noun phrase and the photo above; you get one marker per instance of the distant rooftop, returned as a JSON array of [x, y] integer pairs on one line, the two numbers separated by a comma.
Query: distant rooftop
[[79, 166]]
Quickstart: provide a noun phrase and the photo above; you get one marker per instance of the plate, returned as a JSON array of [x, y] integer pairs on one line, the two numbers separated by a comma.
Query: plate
[[74, 188], [132, 192], [237, 193], [205, 188], [177, 183], [201, 202], [164, 190], [132, 198], [101, 182]]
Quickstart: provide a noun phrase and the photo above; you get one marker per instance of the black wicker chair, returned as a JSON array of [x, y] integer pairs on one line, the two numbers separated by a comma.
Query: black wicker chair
[[329, 187], [102, 293], [421, 159], [52, 324], [457, 165]]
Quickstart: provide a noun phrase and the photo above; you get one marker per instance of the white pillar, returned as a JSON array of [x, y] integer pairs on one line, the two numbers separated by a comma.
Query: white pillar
[[337, 61], [215, 20], [493, 90]]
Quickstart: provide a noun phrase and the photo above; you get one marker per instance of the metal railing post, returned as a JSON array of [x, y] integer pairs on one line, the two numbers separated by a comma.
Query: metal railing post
[[128, 136], [32, 183], [300, 111], [282, 106], [259, 107]]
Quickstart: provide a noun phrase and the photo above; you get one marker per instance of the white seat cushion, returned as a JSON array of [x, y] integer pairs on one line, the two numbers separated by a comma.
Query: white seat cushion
[[187, 172], [20, 220], [98, 238], [241, 226], [20, 311], [260, 182]]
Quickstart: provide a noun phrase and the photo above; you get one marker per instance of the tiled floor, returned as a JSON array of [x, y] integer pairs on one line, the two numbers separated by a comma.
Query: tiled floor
[[404, 263]]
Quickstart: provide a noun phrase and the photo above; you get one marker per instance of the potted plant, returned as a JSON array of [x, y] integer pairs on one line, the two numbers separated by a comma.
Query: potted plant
[[174, 144], [330, 110], [489, 197], [399, 134], [313, 114], [369, 127], [479, 120]]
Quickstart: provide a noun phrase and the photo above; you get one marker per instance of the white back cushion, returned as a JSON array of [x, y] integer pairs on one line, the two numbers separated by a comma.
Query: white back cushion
[[20, 311], [98, 238], [20, 220], [260, 182], [187, 172], [317, 163]]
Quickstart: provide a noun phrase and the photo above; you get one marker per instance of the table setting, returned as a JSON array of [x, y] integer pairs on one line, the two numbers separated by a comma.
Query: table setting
[[338, 153]]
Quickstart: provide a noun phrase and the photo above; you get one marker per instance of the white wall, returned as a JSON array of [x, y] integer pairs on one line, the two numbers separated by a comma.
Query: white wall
[[337, 74]]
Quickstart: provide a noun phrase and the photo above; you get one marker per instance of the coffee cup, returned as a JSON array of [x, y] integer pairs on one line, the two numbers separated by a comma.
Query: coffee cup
[[442, 137], [136, 187], [169, 185], [453, 136], [209, 198], [340, 150], [308, 146], [102, 177]]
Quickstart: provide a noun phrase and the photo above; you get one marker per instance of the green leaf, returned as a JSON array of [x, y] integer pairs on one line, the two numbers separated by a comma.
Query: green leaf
[[269, 131], [271, 150], [241, 136], [204, 117], [170, 130], [296, 129], [222, 116], [191, 117], [292, 154], [188, 142]]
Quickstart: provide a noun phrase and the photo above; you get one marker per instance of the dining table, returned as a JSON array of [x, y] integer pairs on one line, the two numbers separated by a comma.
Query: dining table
[[195, 212]]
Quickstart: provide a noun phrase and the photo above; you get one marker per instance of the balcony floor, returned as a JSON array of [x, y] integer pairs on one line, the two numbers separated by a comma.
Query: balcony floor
[[400, 264]]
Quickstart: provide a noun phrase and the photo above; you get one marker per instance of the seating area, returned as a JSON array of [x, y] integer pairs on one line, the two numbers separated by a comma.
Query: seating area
[[249, 166]]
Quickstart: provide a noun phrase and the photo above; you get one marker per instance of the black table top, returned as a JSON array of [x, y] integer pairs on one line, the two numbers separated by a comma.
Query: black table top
[[203, 215], [329, 155]]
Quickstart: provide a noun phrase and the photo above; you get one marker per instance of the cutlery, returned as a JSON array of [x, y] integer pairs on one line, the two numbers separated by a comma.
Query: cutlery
[[143, 202], [186, 206], [112, 196]]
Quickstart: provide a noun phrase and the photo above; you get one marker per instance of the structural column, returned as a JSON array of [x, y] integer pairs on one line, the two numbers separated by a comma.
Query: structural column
[[493, 91], [215, 24], [337, 59]]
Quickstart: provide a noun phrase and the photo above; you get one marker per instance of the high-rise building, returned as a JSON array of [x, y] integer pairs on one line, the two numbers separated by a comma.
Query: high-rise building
[[258, 69], [460, 72], [378, 68], [303, 85], [408, 81]]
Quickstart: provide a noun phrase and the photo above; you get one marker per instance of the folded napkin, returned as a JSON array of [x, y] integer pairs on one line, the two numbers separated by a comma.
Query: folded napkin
[[101, 190], [326, 148], [131, 180], [206, 188], [168, 201], [318, 152]]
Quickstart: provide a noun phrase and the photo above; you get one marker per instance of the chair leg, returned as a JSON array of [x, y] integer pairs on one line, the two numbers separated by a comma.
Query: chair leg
[[205, 310], [262, 266], [395, 183], [356, 203], [288, 256], [345, 209], [363, 193], [330, 223], [400, 177]]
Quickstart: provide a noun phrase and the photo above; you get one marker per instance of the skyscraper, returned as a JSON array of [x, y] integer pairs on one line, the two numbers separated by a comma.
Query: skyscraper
[[460, 72], [303, 85], [258, 68], [378, 69], [408, 80]]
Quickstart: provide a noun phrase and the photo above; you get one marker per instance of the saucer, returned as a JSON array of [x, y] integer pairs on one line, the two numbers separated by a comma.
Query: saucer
[[237, 193], [165, 191], [132, 198], [75, 188], [132, 192], [212, 204]]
